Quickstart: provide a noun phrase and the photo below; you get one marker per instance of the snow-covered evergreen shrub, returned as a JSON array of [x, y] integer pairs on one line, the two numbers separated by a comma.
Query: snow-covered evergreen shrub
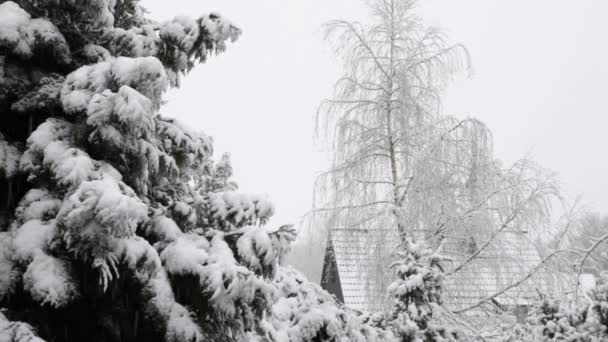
[[585, 322], [554, 321], [305, 312], [521, 332], [416, 293], [597, 321]]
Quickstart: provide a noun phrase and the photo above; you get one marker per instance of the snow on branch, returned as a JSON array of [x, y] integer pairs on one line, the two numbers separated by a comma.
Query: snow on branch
[[229, 210], [516, 283], [146, 75], [17, 331], [9, 158], [26, 37], [179, 43]]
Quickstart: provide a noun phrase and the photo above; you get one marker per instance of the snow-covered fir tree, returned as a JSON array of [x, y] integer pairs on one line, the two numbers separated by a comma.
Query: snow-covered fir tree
[[416, 293], [115, 222]]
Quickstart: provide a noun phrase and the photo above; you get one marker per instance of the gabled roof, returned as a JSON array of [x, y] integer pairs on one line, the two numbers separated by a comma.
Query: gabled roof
[[362, 258]]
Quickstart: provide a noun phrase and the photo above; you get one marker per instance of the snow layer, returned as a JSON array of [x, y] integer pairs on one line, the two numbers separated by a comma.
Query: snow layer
[[49, 281], [111, 204], [303, 311], [50, 131], [146, 75], [219, 28], [24, 36], [255, 249], [69, 165], [31, 239], [9, 158], [128, 107], [16, 331], [180, 42], [37, 204], [231, 209], [46, 278], [162, 228], [186, 255], [139, 256], [194, 147], [9, 274], [180, 325]]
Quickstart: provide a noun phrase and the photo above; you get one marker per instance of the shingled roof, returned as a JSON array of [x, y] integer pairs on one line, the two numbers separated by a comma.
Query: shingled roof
[[357, 264], [358, 260], [508, 259]]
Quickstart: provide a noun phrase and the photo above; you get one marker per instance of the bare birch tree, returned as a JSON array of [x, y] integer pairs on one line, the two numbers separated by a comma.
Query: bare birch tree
[[382, 110], [398, 162]]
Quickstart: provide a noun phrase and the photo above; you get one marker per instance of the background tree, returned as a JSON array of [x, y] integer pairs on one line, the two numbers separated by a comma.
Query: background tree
[[589, 229], [399, 162], [395, 71]]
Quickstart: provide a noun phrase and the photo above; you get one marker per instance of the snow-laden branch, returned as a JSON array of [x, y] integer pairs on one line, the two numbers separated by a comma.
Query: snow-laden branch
[[514, 284], [585, 255], [485, 245]]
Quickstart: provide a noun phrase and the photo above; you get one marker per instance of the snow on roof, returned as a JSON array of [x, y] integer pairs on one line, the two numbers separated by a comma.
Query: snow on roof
[[362, 258], [508, 259], [362, 261], [587, 282]]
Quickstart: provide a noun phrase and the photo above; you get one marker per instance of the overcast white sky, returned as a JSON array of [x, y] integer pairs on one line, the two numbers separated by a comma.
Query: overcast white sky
[[539, 83]]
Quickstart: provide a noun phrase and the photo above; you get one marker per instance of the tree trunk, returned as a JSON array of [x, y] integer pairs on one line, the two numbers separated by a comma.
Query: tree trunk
[[390, 132]]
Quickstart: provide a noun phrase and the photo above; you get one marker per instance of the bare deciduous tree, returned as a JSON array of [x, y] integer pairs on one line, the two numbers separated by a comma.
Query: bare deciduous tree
[[384, 113], [398, 162]]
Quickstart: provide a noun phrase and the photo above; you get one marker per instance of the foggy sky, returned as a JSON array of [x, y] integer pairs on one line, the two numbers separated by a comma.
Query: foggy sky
[[539, 83]]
